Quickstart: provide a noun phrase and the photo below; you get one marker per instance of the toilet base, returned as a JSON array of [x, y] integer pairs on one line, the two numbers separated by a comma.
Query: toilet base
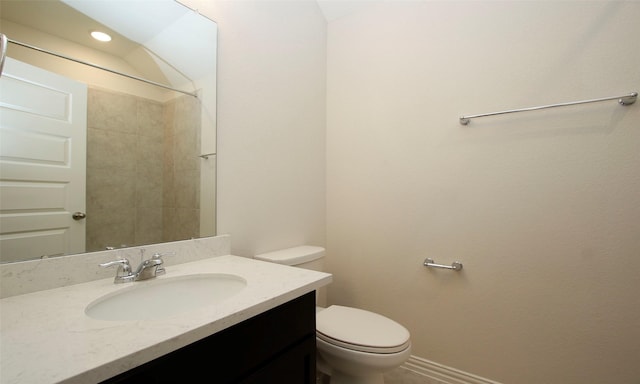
[[348, 366], [338, 377], [327, 375]]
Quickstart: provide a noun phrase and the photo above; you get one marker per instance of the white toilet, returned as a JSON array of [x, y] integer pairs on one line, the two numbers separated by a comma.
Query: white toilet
[[354, 346]]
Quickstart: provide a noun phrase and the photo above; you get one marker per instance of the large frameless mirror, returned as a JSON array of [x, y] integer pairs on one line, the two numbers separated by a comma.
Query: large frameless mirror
[[105, 144]]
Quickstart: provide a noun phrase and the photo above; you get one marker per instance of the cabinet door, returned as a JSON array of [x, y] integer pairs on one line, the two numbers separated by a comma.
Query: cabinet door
[[296, 366]]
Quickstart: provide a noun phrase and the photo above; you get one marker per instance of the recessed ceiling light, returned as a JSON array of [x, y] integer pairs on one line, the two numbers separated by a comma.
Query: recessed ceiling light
[[100, 36]]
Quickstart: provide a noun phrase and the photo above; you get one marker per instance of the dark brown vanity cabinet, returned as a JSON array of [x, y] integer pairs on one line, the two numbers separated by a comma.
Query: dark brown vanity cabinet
[[277, 346]]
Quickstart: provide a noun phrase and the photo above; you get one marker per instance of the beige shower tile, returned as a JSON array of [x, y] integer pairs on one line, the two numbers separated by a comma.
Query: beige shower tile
[[187, 189], [149, 154], [109, 228], [149, 189], [186, 133], [109, 189], [150, 119], [186, 151], [168, 190], [115, 150], [169, 111], [167, 152], [148, 225], [187, 224], [111, 111], [168, 224], [186, 108]]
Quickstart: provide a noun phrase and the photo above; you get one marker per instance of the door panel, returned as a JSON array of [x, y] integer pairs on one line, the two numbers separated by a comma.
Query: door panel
[[42, 163]]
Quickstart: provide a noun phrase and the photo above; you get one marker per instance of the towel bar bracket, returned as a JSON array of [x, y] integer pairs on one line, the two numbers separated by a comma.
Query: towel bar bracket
[[628, 100]]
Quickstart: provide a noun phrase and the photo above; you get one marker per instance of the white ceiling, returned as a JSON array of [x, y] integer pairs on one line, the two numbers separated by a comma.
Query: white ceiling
[[172, 31]]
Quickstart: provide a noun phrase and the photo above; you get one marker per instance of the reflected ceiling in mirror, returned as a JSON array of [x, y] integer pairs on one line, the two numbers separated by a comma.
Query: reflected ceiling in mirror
[[163, 190]]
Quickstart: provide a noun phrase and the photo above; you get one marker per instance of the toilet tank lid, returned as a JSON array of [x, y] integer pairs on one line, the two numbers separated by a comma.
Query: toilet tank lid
[[293, 256]]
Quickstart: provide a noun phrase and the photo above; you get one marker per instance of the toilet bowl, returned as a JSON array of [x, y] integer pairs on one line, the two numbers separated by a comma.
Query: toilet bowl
[[354, 346], [358, 345]]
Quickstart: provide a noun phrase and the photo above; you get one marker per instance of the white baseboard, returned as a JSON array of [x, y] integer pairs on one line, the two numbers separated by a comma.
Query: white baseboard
[[442, 373]]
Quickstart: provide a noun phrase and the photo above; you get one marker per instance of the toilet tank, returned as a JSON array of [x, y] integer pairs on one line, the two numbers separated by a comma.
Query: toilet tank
[[304, 256]]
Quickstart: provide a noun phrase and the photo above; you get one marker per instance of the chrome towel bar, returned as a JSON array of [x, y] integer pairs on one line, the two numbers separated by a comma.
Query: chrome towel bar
[[622, 100], [456, 265]]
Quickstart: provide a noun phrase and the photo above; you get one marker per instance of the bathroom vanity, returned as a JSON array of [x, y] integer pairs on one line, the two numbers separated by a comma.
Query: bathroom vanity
[[277, 346], [263, 333]]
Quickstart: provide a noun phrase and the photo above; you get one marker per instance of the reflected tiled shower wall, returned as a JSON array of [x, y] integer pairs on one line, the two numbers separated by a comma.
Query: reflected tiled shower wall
[[142, 170], [181, 193]]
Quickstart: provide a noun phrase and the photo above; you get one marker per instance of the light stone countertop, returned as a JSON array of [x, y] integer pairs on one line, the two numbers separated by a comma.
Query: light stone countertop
[[45, 336]]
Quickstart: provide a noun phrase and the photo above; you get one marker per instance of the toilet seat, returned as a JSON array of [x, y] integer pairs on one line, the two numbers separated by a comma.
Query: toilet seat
[[361, 330]]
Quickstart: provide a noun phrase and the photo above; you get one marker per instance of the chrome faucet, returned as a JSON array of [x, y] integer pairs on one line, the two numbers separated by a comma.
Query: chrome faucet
[[148, 269]]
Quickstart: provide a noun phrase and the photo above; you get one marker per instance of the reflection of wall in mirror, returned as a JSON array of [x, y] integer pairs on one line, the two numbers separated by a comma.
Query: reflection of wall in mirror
[[73, 70], [181, 202], [142, 170]]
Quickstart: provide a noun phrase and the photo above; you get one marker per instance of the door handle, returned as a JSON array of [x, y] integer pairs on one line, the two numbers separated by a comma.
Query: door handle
[[79, 215]]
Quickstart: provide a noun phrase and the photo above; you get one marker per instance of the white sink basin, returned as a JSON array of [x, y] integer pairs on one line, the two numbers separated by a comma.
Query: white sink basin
[[159, 298]]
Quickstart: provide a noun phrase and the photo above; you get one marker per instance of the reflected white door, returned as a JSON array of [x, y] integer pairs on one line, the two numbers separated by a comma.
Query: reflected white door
[[43, 119]]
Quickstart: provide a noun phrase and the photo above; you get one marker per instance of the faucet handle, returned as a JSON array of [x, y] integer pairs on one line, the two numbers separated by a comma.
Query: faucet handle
[[121, 262], [124, 273], [158, 256]]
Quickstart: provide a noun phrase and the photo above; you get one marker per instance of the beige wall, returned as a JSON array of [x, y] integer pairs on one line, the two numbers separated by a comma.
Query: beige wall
[[271, 122], [542, 208]]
